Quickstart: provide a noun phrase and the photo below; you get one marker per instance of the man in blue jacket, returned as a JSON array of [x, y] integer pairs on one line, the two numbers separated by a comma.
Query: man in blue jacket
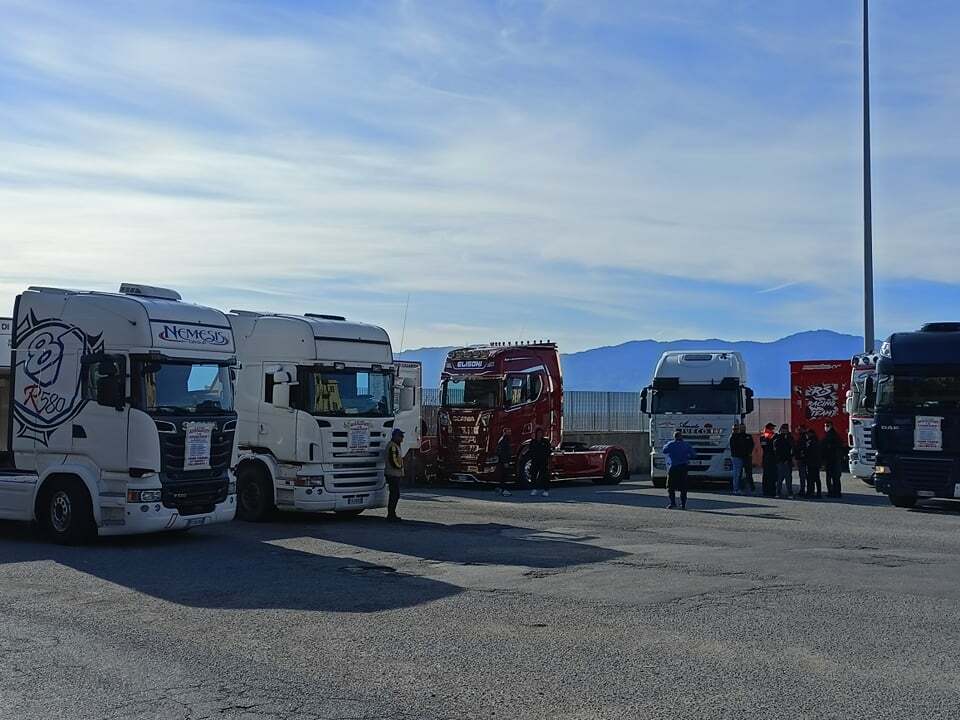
[[679, 454]]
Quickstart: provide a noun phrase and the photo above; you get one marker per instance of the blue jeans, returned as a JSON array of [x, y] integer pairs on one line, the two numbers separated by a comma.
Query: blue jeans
[[737, 474], [785, 471]]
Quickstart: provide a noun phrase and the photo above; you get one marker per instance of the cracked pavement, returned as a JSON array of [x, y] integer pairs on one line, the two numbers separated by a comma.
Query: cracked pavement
[[594, 603]]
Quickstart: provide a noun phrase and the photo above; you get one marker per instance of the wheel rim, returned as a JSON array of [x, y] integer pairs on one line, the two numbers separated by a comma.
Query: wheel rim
[[527, 471], [250, 496], [615, 468], [61, 511]]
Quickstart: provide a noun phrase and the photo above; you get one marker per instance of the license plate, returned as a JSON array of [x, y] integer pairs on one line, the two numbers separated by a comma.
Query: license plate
[[193, 522], [356, 500], [928, 493]]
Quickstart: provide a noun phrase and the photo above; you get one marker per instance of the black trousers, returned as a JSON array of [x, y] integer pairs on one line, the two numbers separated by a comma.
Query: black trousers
[[393, 484], [813, 479], [833, 478], [677, 480], [539, 477], [748, 474], [503, 475], [770, 479]]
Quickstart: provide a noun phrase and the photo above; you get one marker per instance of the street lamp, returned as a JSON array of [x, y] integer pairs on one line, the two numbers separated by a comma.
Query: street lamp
[[868, 330]]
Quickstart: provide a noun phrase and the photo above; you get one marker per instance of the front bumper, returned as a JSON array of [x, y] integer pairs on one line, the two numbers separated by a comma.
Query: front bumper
[[717, 468], [143, 518], [320, 500]]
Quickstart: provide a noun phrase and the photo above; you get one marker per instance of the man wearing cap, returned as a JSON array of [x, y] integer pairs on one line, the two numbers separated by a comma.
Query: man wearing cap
[[394, 472]]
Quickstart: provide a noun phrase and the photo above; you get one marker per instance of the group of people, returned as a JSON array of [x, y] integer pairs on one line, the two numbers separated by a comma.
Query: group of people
[[782, 451]]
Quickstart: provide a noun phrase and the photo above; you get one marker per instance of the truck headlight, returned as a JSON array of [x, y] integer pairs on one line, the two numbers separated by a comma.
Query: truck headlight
[[493, 460], [143, 496], [882, 470], [309, 481], [659, 463]]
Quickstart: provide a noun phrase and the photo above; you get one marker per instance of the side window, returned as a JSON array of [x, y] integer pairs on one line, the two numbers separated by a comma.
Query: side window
[[88, 383], [516, 391], [95, 369], [536, 387], [268, 387]]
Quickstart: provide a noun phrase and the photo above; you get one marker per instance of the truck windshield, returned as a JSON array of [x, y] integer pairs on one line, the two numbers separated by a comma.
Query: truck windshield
[[182, 387], [342, 393], [696, 400], [906, 393], [471, 392]]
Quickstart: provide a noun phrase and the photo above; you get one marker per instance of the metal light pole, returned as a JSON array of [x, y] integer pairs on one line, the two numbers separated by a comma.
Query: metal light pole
[[868, 330]]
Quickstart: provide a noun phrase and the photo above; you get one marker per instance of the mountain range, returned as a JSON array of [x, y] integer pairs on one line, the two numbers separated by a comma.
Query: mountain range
[[629, 366]]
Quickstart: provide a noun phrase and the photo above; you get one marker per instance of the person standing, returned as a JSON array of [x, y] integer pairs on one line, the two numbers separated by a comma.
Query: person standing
[[770, 471], [813, 463], [783, 449], [800, 455], [504, 460], [540, 451], [679, 453], [831, 452], [741, 456], [394, 472]]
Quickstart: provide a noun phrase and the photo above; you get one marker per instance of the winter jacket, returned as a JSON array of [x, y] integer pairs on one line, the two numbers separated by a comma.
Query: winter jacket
[[831, 448], [741, 446], [540, 451], [783, 448]]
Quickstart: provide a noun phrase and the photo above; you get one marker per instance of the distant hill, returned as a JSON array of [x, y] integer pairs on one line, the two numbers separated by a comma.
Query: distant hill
[[629, 366]]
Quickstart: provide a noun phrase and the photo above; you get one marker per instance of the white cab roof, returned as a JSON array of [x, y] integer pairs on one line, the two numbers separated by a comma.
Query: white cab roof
[[308, 338], [701, 366], [129, 321]]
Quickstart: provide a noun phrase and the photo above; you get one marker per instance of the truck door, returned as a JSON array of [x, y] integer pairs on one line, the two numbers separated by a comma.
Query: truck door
[[99, 432]]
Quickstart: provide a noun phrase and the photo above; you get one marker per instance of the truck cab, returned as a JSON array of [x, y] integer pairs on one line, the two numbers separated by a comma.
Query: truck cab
[[702, 393], [859, 406], [917, 415], [519, 387], [121, 413], [316, 402]]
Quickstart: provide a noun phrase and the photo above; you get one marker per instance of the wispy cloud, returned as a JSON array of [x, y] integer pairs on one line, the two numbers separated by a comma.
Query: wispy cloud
[[594, 170]]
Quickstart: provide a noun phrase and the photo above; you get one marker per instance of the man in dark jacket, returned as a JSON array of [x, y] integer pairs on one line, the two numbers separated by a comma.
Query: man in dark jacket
[[769, 460], [504, 460], [741, 454], [540, 451], [783, 449], [831, 452], [812, 455]]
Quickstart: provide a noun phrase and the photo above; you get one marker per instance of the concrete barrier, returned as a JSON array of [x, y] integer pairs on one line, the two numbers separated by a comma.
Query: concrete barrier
[[635, 444]]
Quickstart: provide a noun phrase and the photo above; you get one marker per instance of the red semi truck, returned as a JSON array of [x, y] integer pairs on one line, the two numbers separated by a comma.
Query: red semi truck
[[517, 386], [818, 392]]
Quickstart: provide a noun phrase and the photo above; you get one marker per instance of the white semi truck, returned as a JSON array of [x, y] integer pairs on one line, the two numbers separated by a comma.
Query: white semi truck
[[315, 397], [121, 413], [408, 383], [860, 409], [702, 393]]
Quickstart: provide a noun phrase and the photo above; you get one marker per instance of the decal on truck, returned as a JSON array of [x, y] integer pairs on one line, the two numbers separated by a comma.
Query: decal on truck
[[192, 335], [50, 355], [820, 401]]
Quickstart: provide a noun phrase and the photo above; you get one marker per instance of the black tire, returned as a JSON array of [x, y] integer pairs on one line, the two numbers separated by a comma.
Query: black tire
[[254, 494], [347, 513], [904, 501], [615, 470], [65, 512], [524, 470], [659, 483]]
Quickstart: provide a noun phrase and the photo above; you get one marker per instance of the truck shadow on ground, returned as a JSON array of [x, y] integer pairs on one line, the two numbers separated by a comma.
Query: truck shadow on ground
[[244, 566], [219, 568]]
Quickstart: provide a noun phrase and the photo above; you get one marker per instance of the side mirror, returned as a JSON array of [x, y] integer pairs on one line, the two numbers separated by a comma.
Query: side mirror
[[408, 398], [748, 403], [848, 403], [643, 401], [870, 392], [110, 384]]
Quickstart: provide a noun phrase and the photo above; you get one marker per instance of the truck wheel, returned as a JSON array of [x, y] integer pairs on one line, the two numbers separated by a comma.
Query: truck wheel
[[524, 470], [904, 501], [615, 470], [659, 483], [66, 513], [347, 513], [254, 494]]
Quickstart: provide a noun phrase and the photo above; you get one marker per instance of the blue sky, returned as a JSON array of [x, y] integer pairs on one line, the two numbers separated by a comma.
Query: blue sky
[[589, 172]]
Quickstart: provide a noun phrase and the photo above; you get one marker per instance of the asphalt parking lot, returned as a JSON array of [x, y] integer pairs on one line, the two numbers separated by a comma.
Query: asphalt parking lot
[[594, 603]]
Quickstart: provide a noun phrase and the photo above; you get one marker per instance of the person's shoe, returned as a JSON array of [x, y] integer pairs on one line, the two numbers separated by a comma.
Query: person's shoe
[[394, 518], [506, 493], [671, 506], [534, 493], [683, 507], [545, 493]]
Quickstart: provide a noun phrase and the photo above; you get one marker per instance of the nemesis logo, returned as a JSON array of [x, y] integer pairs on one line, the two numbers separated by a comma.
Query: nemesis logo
[[193, 335]]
